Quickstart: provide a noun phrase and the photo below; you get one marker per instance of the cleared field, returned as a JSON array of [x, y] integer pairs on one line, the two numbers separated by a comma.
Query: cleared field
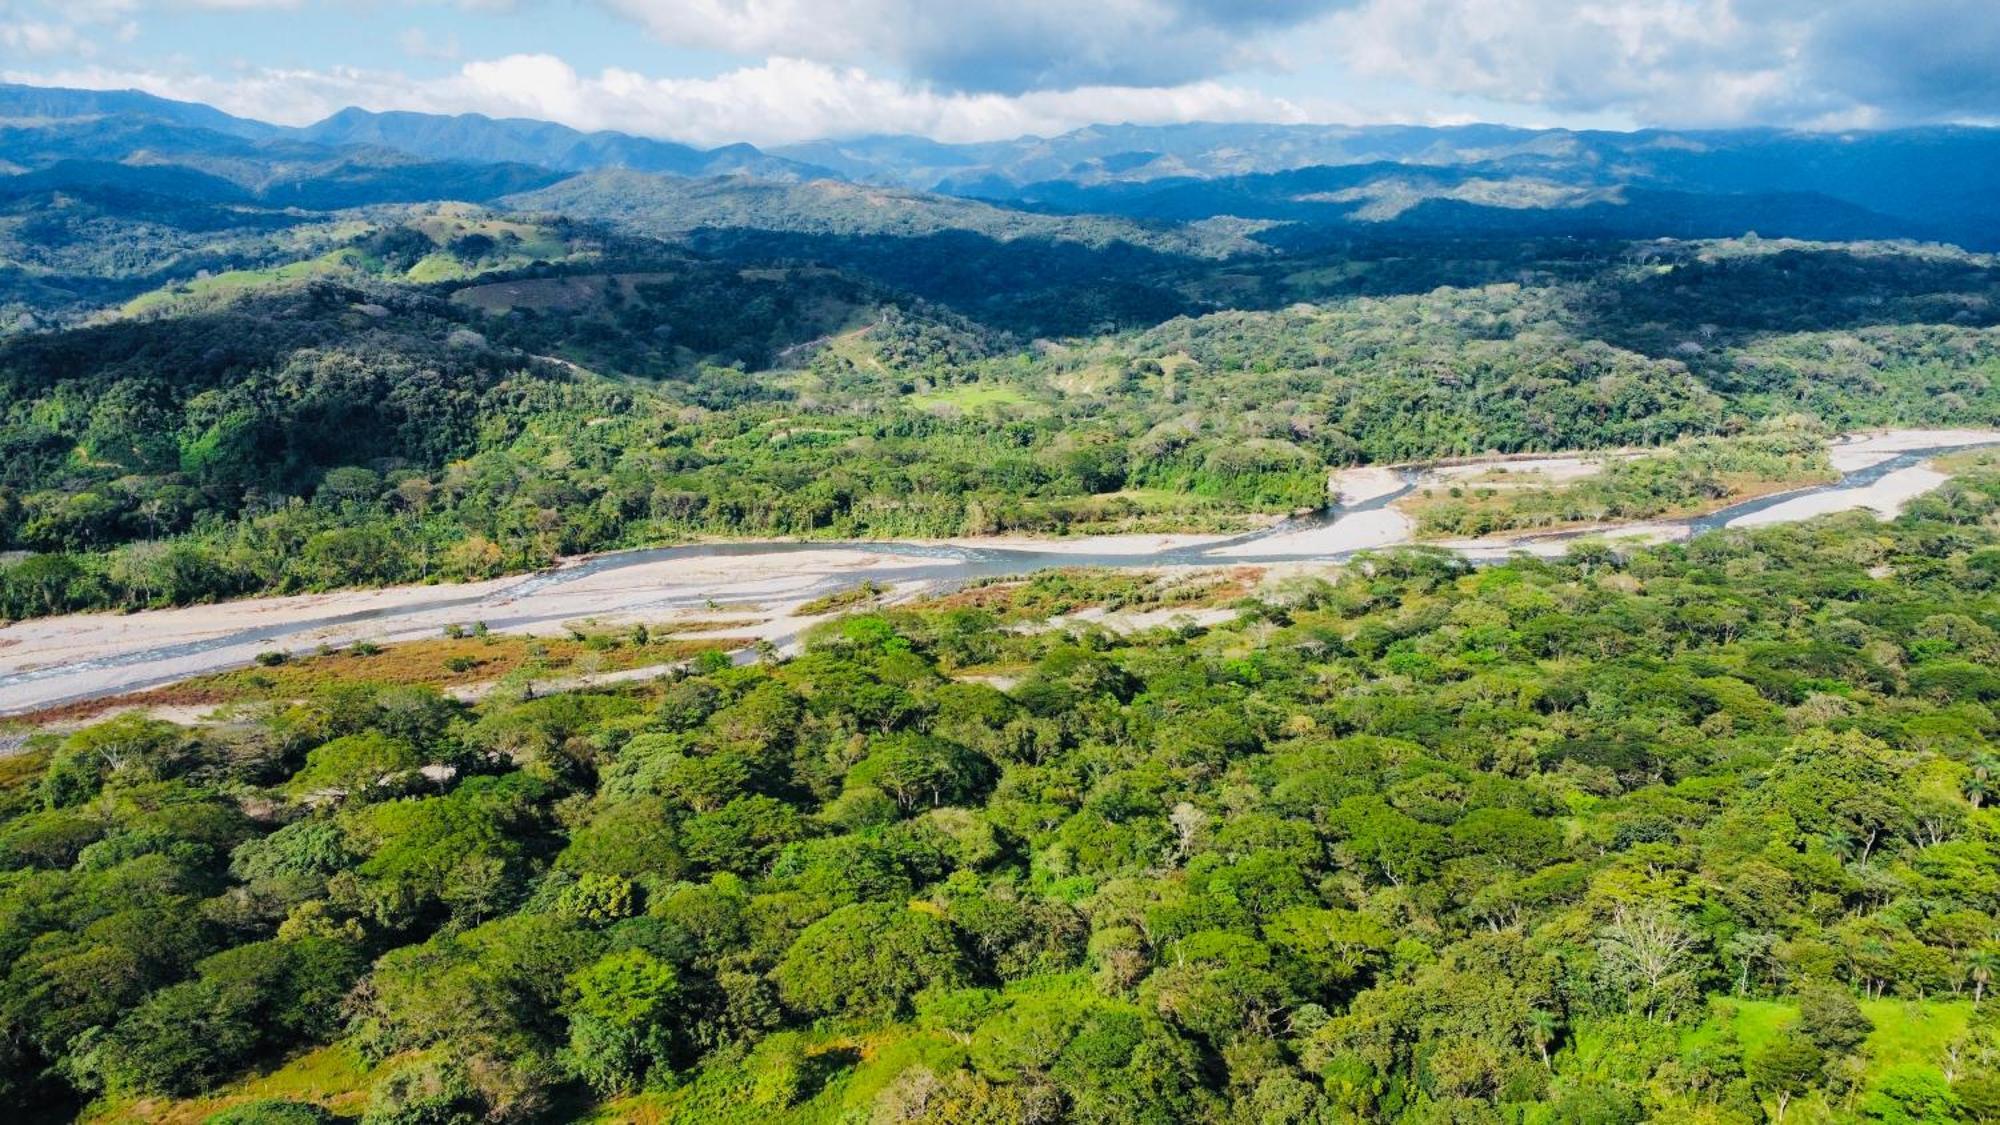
[[564, 294]]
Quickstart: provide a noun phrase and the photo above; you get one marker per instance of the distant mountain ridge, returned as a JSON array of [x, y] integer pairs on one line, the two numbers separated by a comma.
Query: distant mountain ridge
[[1939, 181], [1930, 183], [468, 138], [473, 136]]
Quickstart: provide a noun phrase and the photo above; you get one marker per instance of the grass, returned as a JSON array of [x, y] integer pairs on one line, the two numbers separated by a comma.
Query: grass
[[443, 662], [1096, 378], [229, 283], [335, 1077], [863, 594], [1756, 1022], [971, 396], [853, 1070], [439, 266], [22, 769], [1912, 1033], [1051, 593], [1496, 505], [1968, 460]]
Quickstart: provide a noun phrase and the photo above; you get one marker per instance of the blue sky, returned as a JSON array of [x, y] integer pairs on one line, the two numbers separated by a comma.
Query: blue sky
[[771, 71]]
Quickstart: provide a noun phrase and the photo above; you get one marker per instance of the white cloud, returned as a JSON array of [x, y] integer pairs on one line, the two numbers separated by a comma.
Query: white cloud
[[33, 37], [1680, 59], [1688, 62], [978, 69], [1005, 46], [778, 101]]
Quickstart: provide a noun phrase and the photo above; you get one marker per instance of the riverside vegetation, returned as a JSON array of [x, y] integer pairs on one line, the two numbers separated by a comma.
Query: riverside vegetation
[[355, 427], [1702, 832]]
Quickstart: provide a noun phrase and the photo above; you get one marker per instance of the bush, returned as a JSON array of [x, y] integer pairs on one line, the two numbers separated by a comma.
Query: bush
[[271, 1111]]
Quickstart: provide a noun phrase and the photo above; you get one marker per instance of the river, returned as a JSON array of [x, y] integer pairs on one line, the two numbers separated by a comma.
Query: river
[[47, 662]]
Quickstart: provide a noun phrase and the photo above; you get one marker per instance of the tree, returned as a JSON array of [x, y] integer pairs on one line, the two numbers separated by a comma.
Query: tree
[[1386, 843], [1646, 949], [1910, 1095], [272, 1111], [1543, 1027], [619, 1021], [355, 765], [1787, 1066], [1983, 964], [1749, 951], [868, 959], [918, 770], [1830, 1018]]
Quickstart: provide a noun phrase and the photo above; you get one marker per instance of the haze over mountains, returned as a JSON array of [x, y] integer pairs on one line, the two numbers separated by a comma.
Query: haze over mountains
[[1926, 183]]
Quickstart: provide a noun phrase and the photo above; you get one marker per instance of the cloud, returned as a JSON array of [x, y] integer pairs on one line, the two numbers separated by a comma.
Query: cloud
[[1911, 60], [1684, 59], [979, 69], [33, 37], [1689, 62], [778, 101], [996, 46]]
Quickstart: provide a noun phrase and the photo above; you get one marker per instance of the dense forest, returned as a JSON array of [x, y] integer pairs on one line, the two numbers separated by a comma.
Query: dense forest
[[450, 392], [1700, 832]]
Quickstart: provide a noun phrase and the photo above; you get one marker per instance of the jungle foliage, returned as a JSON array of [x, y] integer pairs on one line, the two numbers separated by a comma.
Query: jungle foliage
[[1701, 832], [451, 393]]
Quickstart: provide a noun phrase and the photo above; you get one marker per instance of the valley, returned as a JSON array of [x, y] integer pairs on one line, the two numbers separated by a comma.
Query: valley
[[1061, 621], [66, 660]]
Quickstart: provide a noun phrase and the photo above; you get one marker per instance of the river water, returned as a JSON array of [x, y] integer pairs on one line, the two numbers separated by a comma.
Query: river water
[[526, 603]]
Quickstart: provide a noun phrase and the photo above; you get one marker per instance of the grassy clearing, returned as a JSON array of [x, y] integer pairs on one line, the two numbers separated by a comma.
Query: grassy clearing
[[335, 1077], [231, 283], [1909, 1033], [574, 293], [971, 396], [1755, 1022], [854, 346]]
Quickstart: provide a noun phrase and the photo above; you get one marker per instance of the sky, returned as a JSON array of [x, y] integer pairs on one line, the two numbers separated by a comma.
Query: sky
[[778, 71]]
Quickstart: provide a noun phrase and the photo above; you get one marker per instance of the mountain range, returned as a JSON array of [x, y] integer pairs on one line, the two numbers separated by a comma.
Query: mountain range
[[1928, 184]]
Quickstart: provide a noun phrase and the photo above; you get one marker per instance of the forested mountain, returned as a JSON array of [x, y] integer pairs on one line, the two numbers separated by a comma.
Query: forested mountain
[[25, 105], [140, 154], [474, 137], [1932, 180], [454, 392], [1700, 832], [1929, 183], [1480, 200]]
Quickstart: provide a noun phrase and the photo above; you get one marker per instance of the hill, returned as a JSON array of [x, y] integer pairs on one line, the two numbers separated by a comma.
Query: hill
[[1921, 182], [475, 137]]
